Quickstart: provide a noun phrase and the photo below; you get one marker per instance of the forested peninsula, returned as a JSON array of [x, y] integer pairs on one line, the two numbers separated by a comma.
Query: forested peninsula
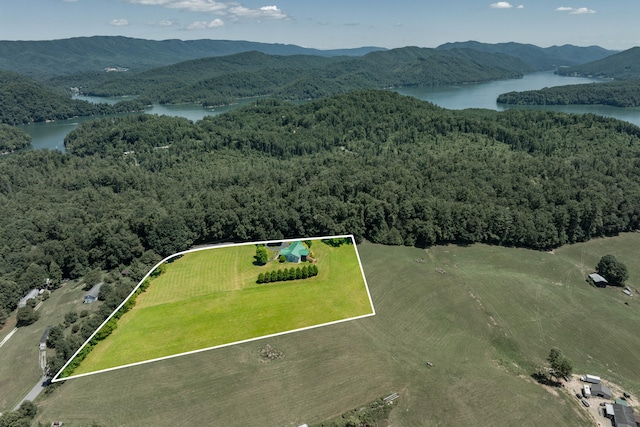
[[23, 100], [617, 94], [221, 80], [387, 168]]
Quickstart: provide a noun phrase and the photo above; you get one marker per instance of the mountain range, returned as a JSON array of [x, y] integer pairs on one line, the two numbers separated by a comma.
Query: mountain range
[[45, 59]]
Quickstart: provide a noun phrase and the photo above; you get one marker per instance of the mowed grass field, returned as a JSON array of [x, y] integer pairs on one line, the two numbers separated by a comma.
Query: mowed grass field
[[210, 297], [484, 316], [19, 366]]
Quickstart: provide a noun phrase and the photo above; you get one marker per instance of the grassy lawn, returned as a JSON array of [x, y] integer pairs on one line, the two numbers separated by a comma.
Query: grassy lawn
[[483, 315], [209, 298]]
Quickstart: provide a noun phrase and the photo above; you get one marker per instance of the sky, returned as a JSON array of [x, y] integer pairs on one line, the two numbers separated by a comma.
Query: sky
[[331, 24]]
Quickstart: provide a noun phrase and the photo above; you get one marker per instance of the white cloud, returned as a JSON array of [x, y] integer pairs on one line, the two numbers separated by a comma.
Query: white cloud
[[119, 22], [581, 10], [501, 5], [272, 12], [165, 23], [202, 25], [230, 8], [520, 7], [575, 11]]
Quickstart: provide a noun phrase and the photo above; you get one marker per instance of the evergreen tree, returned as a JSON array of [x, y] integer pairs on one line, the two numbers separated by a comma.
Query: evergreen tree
[[262, 256]]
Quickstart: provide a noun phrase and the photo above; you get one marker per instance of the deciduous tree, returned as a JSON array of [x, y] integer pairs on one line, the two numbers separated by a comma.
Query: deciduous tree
[[613, 270]]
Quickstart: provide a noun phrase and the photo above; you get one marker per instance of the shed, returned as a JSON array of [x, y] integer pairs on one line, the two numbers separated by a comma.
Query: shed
[[608, 410], [623, 416], [601, 390], [621, 402], [295, 252], [92, 295], [32, 294], [598, 280]]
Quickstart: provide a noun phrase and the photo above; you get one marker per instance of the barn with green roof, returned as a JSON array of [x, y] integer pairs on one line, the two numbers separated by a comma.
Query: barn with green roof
[[295, 252]]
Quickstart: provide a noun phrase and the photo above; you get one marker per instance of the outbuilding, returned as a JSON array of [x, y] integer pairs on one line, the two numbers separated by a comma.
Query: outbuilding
[[623, 416], [597, 280], [31, 295], [601, 390], [92, 295]]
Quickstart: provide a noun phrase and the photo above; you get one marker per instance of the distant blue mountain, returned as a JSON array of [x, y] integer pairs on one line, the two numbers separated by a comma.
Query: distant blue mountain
[[80, 54], [547, 58]]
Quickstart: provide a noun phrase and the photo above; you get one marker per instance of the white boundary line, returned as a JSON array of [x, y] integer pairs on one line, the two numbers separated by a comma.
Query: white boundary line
[[350, 236]]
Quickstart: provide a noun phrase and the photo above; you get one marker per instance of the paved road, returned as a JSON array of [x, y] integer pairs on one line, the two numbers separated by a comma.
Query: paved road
[[35, 391]]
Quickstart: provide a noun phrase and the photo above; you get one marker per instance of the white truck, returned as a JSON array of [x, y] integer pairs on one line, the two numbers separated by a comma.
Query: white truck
[[586, 391], [590, 379]]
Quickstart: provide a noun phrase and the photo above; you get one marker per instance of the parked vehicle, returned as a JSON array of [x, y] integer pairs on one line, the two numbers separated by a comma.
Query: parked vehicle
[[591, 379], [585, 403]]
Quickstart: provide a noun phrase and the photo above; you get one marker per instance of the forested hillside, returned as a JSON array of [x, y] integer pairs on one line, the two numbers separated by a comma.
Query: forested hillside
[[12, 139], [547, 58], [80, 54], [616, 94], [23, 100], [621, 66], [384, 167], [214, 81]]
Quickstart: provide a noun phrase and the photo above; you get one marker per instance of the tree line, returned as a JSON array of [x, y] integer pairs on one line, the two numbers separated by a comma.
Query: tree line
[[293, 273]]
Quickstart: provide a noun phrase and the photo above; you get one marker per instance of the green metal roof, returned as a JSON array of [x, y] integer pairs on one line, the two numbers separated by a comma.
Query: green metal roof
[[295, 248]]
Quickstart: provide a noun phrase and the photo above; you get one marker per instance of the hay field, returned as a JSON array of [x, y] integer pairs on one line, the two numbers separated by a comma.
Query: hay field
[[483, 315], [209, 298]]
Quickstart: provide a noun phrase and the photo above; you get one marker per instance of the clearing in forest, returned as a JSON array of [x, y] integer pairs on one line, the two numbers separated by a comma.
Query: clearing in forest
[[209, 297]]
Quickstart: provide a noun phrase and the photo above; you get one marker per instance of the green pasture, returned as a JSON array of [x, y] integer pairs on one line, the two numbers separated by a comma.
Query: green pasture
[[484, 317], [209, 298], [19, 366]]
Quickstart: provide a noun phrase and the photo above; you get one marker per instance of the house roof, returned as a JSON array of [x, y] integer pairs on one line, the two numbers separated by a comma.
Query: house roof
[[94, 291], [32, 294], [597, 278], [295, 248]]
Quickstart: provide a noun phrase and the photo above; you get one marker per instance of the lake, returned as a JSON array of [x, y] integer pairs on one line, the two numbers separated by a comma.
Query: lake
[[482, 95]]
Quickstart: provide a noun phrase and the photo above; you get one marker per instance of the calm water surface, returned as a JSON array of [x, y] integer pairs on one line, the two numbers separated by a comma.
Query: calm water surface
[[51, 135]]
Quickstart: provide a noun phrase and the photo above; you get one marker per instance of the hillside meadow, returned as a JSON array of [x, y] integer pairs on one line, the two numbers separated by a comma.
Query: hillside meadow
[[484, 316], [19, 370], [210, 298]]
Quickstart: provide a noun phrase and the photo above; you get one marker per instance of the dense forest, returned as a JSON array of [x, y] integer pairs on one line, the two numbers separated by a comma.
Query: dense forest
[[217, 80], [12, 139], [617, 94], [621, 66], [23, 100], [387, 168]]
